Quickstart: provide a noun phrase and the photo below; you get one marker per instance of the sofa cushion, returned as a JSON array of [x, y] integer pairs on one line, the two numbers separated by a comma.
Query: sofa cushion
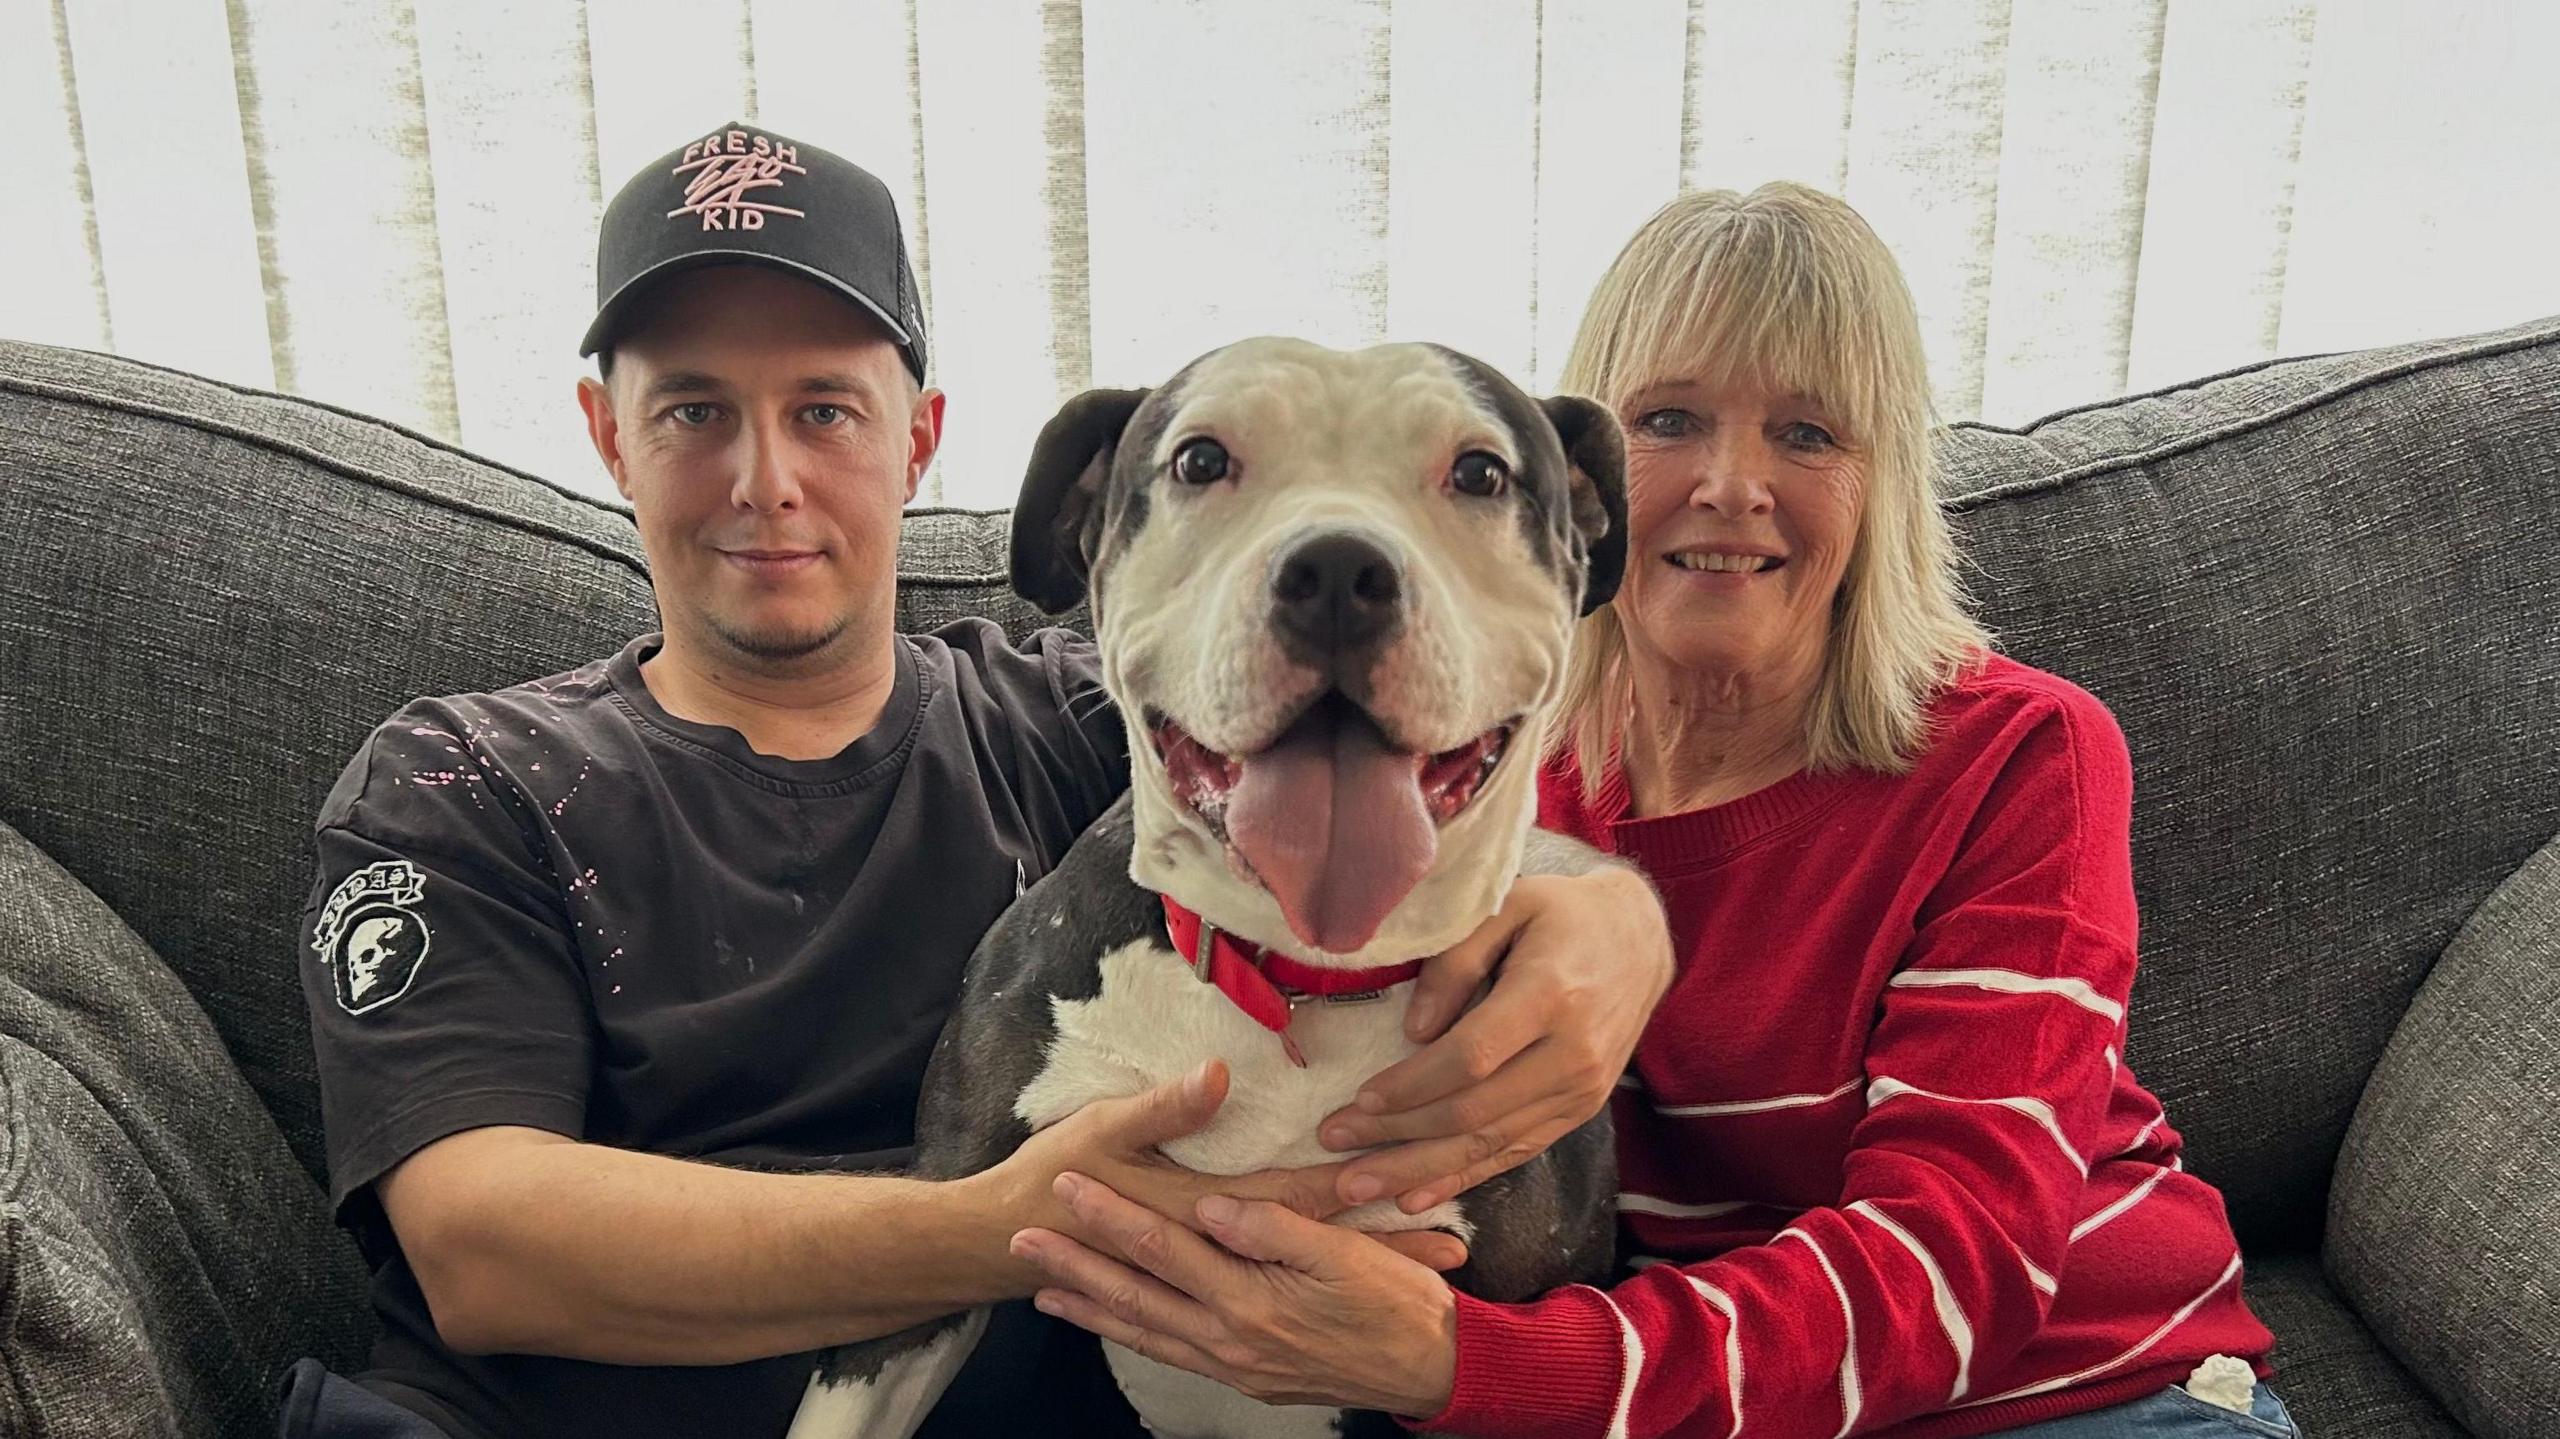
[[2338, 1381], [162, 1257], [2444, 1225]]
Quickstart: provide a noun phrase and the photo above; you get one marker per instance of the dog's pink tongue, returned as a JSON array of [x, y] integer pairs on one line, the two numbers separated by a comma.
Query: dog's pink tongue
[[1333, 822]]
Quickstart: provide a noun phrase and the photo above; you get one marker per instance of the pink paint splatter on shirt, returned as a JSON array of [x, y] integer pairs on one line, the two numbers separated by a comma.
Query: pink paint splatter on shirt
[[563, 801]]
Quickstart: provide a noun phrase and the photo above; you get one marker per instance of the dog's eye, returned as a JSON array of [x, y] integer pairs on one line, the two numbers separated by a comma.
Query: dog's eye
[[1202, 462], [1479, 474]]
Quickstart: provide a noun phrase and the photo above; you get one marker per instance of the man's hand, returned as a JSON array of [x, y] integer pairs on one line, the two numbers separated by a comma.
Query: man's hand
[[1117, 1142], [1578, 964]]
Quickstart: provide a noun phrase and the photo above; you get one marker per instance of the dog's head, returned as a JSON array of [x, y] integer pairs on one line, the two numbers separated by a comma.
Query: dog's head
[[1333, 593]]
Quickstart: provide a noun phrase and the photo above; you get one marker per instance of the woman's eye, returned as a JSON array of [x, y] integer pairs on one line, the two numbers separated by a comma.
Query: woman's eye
[[1663, 424], [1479, 474], [697, 413], [1807, 436], [1201, 462]]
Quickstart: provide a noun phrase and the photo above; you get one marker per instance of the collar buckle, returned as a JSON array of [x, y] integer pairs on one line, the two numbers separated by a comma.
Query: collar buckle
[[1202, 951]]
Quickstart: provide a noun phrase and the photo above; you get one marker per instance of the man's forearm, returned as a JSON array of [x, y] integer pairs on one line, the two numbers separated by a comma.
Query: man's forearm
[[586, 1252]]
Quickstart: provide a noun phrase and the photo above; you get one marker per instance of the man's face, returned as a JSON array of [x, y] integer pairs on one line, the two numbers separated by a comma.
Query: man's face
[[767, 435]]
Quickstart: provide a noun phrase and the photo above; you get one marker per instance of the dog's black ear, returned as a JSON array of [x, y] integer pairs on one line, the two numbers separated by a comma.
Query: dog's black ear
[[1060, 509], [1597, 455]]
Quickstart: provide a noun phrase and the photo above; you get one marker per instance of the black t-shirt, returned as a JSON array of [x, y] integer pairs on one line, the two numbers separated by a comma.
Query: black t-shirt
[[560, 906]]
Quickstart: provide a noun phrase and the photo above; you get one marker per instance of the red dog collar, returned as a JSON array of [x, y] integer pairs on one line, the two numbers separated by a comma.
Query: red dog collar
[[1266, 984]]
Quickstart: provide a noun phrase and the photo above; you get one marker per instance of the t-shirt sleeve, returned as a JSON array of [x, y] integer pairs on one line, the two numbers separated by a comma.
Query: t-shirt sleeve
[[442, 981], [1063, 723], [1099, 745]]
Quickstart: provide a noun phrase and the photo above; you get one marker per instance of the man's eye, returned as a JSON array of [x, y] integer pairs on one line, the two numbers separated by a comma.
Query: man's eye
[[696, 413], [825, 414]]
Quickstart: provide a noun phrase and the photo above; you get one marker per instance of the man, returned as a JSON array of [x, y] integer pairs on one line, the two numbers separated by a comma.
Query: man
[[623, 982]]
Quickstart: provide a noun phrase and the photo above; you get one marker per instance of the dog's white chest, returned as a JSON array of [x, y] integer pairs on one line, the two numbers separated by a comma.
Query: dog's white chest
[[1153, 1022]]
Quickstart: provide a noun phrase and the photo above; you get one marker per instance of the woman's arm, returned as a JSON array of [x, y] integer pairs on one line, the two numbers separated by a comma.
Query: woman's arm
[[1988, 1076]]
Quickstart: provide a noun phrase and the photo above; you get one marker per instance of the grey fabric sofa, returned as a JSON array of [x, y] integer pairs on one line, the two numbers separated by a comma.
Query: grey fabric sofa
[[2322, 595]]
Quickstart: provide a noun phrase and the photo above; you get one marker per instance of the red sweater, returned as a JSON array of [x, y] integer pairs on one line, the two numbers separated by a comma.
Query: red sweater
[[1882, 1170]]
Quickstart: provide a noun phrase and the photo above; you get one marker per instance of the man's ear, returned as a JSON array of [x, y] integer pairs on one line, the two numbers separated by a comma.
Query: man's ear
[[1062, 495], [604, 429], [924, 437], [1596, 453]]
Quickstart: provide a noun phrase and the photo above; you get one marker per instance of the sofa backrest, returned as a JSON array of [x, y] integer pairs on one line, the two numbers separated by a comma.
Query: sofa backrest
[[2321, 596], [2323, 599], [208, 597]]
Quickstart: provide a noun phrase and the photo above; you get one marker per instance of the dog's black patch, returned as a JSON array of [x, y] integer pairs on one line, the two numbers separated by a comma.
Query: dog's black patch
[[1048, 945], [1088, 482], [1573, 498]]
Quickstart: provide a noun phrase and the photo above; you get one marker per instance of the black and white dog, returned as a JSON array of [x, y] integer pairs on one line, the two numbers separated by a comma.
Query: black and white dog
[[1333, 594]]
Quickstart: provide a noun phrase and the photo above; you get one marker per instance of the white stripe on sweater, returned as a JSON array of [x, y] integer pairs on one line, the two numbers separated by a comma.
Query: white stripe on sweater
[[2131, 1198], [1647, 1204], [1951, 1318], [2035, 1276], [2036, 1109], [2143, 1135], [1732, 1347], [1754, 1106], [1849, 1400], [1634, 1366], [2044, 1386], [2010, 981]]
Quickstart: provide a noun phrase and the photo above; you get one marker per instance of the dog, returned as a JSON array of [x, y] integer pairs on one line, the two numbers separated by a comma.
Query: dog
[[1333, 594]]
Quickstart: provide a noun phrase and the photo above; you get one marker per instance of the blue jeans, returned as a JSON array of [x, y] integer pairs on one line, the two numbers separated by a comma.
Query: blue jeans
[[2173, 1413]]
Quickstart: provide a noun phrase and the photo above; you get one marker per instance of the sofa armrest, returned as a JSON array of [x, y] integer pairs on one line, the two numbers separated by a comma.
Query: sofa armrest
[[162, 1256], [79, 1345], [2444, 1218]]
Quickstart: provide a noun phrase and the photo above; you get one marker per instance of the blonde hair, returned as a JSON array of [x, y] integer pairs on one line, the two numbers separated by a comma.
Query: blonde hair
[[1788, 287]]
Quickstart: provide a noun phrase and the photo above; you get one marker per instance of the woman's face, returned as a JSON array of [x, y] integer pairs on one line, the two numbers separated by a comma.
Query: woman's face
[[1743, 507]]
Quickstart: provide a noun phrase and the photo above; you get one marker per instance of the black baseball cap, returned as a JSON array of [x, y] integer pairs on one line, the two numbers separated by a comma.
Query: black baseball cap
[[745, 195]]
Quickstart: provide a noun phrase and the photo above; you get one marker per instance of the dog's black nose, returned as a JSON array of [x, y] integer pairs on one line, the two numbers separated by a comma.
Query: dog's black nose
[[1336, 593]]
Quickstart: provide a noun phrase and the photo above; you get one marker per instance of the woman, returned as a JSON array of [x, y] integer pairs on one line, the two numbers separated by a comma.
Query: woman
[[1883, 1169]]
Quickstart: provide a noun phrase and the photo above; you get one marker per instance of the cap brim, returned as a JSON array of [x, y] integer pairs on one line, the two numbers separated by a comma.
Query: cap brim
[[610, 315]]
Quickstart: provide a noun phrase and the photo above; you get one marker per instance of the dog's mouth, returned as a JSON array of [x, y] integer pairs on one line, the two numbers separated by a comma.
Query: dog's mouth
[[1331, 816]]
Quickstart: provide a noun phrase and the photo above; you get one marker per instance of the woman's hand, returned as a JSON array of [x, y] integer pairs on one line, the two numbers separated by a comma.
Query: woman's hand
[[1578, 963], [1289, 1311], [1117, 1141]]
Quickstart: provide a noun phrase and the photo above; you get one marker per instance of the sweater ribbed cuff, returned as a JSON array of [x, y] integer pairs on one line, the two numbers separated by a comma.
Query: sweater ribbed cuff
[[1533, 1371]]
